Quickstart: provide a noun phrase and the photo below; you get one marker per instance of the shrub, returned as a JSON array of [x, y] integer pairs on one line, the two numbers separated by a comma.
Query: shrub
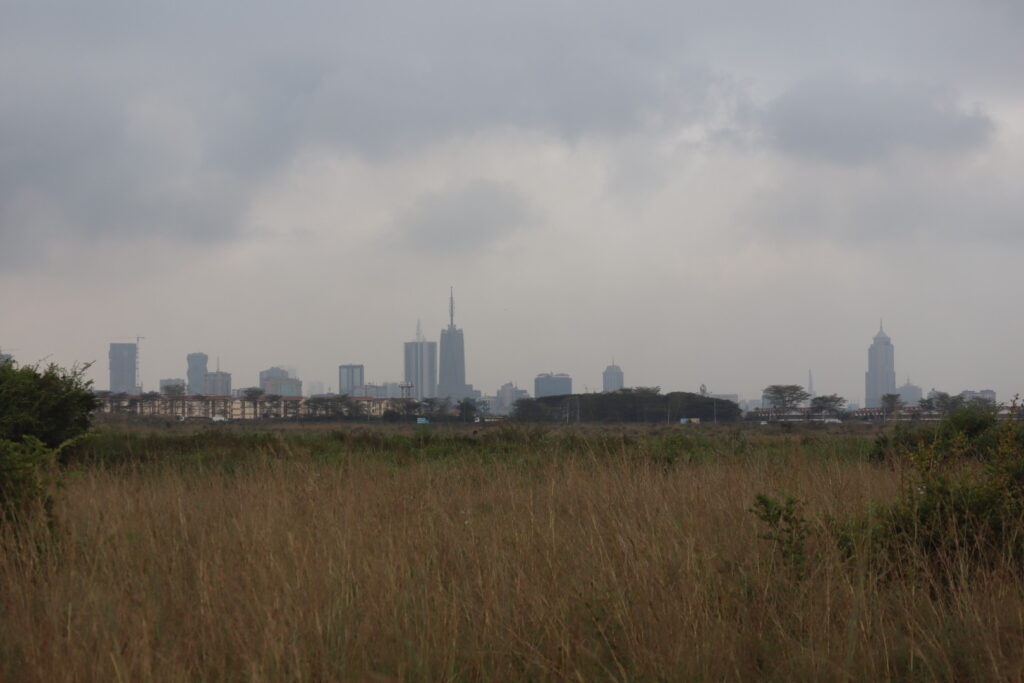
[[27, 477], [52, 404], [41, 411], [954, 514]]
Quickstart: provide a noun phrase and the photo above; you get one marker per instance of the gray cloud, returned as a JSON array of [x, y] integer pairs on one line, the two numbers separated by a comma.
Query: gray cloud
[[845, 120], [464, 219]]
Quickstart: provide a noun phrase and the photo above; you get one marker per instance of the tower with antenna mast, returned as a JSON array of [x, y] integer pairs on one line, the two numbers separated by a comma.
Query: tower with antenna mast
[[452, 376]]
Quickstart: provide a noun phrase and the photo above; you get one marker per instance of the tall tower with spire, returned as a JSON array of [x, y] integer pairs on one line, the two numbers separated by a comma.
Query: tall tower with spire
[[880, 379], [451, 381]]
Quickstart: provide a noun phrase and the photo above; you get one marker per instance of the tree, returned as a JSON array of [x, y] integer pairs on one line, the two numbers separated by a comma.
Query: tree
[[467, 409], [52, 404], [253, 395], [828, 405], [785, 397], [891, 403], [944, 403], [41, 412]]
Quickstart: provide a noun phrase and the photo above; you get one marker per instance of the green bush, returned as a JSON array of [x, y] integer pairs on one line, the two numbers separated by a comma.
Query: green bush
[[52, 404], [41, 411], [954, 514], [28, 477]]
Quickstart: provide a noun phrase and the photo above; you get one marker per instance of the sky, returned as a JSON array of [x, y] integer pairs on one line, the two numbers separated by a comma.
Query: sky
[[728, 194]]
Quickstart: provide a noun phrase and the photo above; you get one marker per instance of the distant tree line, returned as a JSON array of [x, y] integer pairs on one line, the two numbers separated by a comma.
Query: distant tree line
[[638, 404]]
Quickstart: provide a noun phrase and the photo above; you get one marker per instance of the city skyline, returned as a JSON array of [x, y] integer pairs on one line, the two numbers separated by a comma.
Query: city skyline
[[878, 380], [714, 194]]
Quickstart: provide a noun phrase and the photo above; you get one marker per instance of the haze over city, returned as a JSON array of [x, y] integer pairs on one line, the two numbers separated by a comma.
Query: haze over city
[[708, 195]]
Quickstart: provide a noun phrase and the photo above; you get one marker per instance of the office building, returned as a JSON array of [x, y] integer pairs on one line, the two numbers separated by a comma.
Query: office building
[[880, 379], [910, 394], [176, 386], [196, 372], [421, 366], [123, 368], [451, 381], [612, 378], [505, 398], [217, 383], [548, 384], [351, 380], [276, 381]]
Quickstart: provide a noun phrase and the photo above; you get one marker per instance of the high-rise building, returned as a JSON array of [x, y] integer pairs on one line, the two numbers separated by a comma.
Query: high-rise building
[[217, 383], [196, 372], [451, 382], [123, 367], [351, 380], [548, 384], [910, 394], [421, 366], [880, 379], [314, 387], [167, 386], [612, 378], [276, 381]]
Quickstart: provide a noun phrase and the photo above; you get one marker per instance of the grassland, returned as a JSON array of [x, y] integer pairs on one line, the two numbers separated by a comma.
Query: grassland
[[481, 554]]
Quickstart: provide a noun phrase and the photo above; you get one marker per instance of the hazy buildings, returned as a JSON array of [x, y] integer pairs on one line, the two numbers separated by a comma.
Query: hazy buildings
[[984, 395], [217, 383], [314, 388], [276, 381], [196, 372], [506, 397], [880, 379], [421, 367], [612, 378], [123, 366], [6, 357], [351, 380], [548, 384], [910, 394], [168, 386], [451, 382]]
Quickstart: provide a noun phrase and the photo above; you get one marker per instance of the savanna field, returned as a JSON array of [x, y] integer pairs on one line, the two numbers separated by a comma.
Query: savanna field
[[520, 553]]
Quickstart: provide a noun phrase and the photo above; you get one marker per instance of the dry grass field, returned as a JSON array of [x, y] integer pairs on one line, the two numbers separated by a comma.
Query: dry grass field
[[520, 555]]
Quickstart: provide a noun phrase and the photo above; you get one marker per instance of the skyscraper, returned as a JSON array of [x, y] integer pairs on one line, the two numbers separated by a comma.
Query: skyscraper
[[613, 379], [217, 383], [451, 382], [122, 368], [547, 384], [196, 372], [277, 381], [351, 380], [421, 366], [880, 379]]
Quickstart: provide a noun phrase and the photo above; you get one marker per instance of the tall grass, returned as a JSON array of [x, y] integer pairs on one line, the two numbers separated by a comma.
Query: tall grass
[[592, 554]]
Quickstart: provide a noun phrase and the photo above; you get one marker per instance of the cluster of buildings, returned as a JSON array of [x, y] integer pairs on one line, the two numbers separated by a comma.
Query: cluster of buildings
[[435, 372]]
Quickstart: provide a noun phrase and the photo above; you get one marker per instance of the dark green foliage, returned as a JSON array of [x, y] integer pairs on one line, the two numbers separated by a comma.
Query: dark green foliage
[[971, 429], [28, 477], [41, 411], [961, 508], [787, 528], [52, 405], [640, 404]]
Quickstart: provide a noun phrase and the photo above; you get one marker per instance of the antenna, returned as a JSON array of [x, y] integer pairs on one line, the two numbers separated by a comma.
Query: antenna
[[419, 331], [810, 383], [451, 307]]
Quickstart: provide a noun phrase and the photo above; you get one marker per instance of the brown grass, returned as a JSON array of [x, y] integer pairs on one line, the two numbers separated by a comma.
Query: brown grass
[[575, 568]]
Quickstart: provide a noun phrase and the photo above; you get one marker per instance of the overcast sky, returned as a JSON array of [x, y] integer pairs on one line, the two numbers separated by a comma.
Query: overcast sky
[[719, 193]]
